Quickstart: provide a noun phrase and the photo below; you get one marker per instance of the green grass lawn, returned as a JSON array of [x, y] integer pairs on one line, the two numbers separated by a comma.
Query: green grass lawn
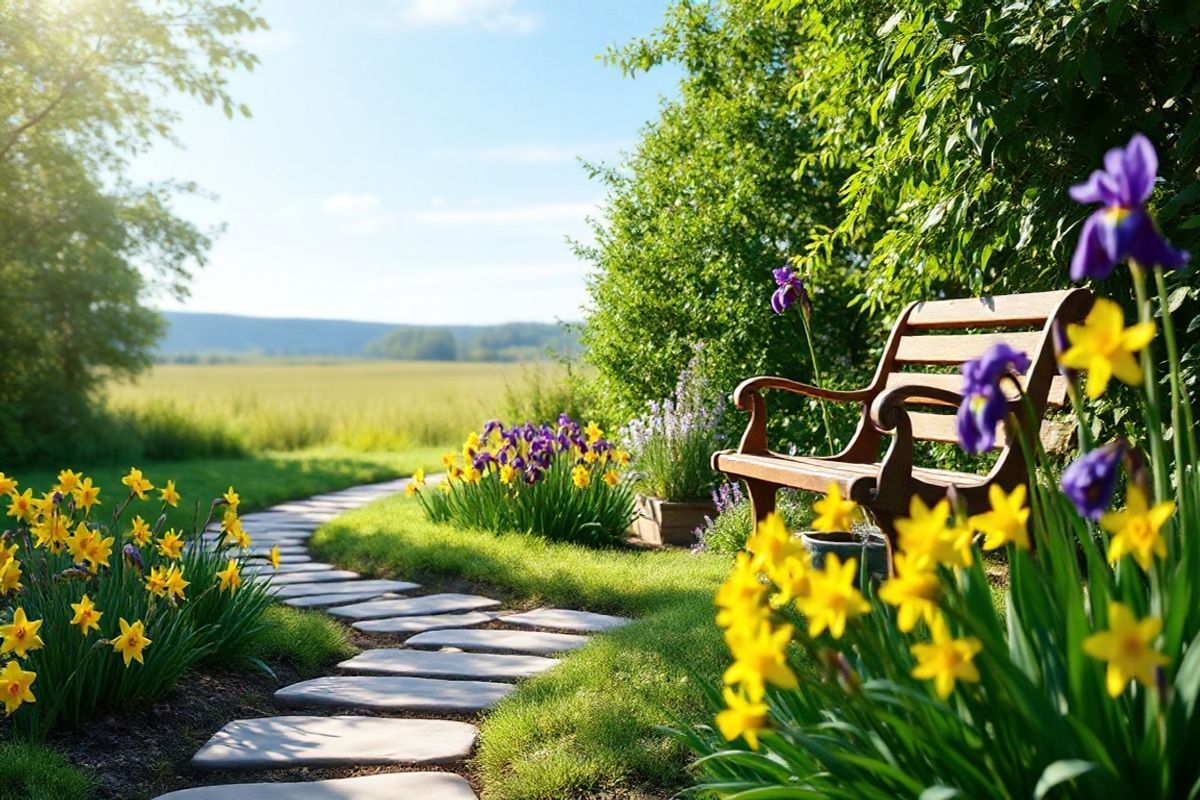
[[32, 772], [262, 480], [589, 727]]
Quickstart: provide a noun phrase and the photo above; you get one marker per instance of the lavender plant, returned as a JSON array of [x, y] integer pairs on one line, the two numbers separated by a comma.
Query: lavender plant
[[672, 443], [726, 533]]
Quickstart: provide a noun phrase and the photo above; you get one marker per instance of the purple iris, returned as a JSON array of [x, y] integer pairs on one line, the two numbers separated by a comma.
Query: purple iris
[[1123, 228], [1091, 479], [984, 405], [791, 290]]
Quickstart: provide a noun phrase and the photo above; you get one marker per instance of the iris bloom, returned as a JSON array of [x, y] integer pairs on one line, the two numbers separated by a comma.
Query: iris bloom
[[984, 405], [791, 290], [1122, 228], [1090, 480]]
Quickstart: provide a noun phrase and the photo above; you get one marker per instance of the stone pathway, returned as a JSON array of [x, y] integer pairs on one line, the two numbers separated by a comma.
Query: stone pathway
[[442, 664]]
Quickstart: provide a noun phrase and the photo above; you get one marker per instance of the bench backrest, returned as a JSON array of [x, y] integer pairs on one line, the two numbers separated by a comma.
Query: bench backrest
[[946, 333]]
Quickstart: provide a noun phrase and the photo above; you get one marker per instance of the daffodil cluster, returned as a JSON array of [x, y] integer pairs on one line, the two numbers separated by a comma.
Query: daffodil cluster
[[85, 578]]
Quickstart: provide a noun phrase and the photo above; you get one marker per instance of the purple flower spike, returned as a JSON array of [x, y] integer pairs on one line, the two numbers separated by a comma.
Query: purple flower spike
[[984, 405], [1123, 228], [791, 289], [1091, 479]]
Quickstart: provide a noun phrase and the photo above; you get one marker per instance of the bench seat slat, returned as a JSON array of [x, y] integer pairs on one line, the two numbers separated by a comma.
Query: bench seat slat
[[815, 474]]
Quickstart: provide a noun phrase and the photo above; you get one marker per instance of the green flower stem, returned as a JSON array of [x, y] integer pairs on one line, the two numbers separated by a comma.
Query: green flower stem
[[1181, 407], [1154, 436], [812, 353]]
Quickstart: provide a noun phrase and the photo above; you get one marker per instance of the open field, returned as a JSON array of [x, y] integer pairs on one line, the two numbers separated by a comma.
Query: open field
[[358, 405]]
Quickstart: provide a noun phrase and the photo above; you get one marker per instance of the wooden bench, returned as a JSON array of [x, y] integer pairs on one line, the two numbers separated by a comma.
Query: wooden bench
[[925, 334]]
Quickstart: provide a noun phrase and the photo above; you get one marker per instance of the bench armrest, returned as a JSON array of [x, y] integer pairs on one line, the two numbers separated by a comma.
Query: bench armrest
[[888, 412], [748, 397]]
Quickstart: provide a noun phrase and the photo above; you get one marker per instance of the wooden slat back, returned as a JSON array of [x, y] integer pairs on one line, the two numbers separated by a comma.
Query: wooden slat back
[[957, 348], [1057, 396], [1001, 311], [941, 428]]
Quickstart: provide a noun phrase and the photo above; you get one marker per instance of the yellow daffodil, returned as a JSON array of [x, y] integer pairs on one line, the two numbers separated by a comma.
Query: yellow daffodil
[[15, 686], [137, 483], [834, 513], [611, 478], [86, 615], [1006, 522], [9, 553], [581, 476], [230, 577], [832, 598], [21, 505], [156, 582], [792, 578], [140, 534], [87, 494], [274, 556], [741, 599], [593, 433], [759, 658], [10, 577], [131, 642], [1127, 648], [7, 485], [170, 545], [169, 495], [1137, 531], [87, 546], [946, 660], [232, 499], [914, 592], [772, 543], [622, 458], [1104, 347], [508, 474], [99, 550], [742, 717], [52, 533], [449, 460], [21, 635], [174, 584], [472, 475], [231, 523], [68, 482], [929, 538]]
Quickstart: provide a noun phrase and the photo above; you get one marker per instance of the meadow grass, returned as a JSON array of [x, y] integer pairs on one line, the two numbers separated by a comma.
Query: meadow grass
[[589, 727], [31, 771], [365, 406], [309, 641]]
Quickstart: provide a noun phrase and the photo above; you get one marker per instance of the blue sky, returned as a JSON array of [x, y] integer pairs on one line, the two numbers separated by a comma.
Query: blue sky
[[412, 160]]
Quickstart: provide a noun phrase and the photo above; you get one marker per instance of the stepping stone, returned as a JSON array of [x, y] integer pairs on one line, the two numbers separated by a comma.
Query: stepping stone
[[310, 577], [289, 569], [304, 741], [391, 786], [414, 606], [563, 619], [294, 558], [496, 641], [477, 666], [393, 694], [315, 600], [263, 551], [418, 624], [344, 587]]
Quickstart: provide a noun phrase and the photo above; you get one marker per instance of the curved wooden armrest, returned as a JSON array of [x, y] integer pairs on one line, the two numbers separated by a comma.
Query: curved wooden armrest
[[888, 412], [752, 386]]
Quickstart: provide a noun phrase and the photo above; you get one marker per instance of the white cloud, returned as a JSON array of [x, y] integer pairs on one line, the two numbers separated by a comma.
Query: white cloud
[[502, 16], [350, 205], [512, 215], [372, 224]]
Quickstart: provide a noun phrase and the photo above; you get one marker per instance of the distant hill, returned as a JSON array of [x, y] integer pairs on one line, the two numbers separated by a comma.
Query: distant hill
[[201, 337]]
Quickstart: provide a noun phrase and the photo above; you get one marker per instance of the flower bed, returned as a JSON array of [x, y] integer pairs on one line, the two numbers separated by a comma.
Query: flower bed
[[1084, 682], [106, 616], [564, 482]]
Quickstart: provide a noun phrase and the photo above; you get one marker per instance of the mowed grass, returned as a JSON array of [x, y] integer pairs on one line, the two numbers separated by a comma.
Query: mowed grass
[[590, 727], [366, 406]]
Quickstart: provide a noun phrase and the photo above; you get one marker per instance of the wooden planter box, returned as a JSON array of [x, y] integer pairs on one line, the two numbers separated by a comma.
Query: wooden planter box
[[663, 522]]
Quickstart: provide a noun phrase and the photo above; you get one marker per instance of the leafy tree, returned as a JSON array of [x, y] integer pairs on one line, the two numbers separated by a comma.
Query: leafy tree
[[83, 89], [415, 344], [703, 210]]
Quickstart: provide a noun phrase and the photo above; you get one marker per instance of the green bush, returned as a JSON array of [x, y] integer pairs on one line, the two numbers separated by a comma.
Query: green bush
[[727, 533], [562, 483], [58, 553]]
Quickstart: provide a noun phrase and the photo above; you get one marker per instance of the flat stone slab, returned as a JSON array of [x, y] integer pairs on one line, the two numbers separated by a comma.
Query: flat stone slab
[[305, 741], [392, 786], [430, 622], [290, 578], [285, 569], [315, 600], [264, 551], [294, 558], [563, 619], [369, 693], [498, 641], [343, 587], [416, 606], [476, 666]]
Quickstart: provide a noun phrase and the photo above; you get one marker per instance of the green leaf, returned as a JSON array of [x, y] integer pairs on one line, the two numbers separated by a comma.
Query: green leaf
[[1060, 772]]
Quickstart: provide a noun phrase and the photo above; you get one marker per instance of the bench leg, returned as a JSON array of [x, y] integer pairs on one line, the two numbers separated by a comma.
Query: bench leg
[[886, 520], [762, 499]]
